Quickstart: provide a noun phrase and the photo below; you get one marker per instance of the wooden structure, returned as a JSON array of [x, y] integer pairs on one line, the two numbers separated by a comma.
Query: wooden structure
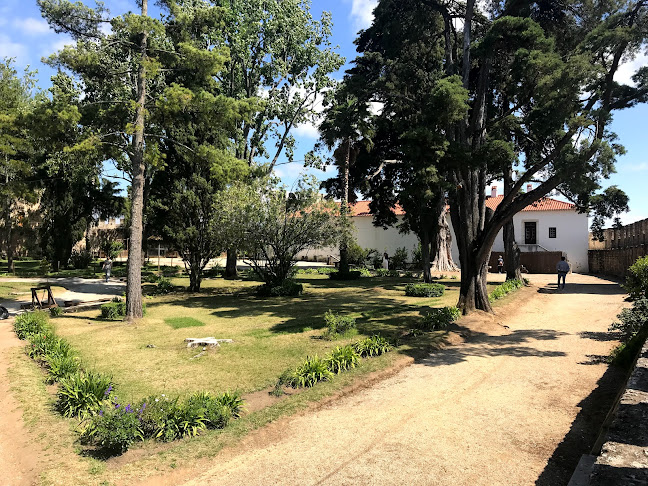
[[36, 301]]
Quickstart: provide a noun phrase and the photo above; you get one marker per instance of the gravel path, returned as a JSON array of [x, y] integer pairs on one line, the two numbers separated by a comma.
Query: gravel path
[[516, 404]]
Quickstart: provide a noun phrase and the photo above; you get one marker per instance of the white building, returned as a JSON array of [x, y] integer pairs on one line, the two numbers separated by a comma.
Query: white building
[[546, 225]]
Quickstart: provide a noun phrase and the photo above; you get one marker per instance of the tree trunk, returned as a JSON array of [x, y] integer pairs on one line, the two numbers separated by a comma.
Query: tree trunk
[[473, 294], [195, 279], [344, 210], [425, 255], [8, 232], [134, 280], [442, 243], [230, 264]]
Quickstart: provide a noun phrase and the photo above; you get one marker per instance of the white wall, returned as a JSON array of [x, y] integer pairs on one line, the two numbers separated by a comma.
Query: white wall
[[572, 234]]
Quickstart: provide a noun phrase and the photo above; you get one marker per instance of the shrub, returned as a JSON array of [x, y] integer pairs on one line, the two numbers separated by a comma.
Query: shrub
[[150, 278], [424, 290], [60, 366], [504, 289], [82, 394], [383, 272], [350, 275], [56, 311], [286, 289], [170, 271], [113, 310], [164, 286], [46, 343], [361, 256], [216, 414], [30, 323], [232, 401], [80, 259], [342, 359], [372, 346], [376, 259], [632, 320], [399, 259], [364, 272], [114, 429], [439, 318], [417, 256], [637, 279], [337, 325], [310, 372], [325, 270], [213, 272]]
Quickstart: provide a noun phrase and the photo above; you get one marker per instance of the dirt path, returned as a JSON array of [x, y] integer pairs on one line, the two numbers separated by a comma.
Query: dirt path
[[513, 405], [20, 457]]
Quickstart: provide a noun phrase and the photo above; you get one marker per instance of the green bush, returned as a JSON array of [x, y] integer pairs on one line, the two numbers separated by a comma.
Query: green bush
[[439, 318], [637, 279], [372, 346], [632, 320], [217, 415], [310, 372], [56, 311], [46, 343], [30, 323], [288, 288], [232, 401], [82, 394], [150, 278], [365, 272], [60, 366], [164, 286], [424, 290], [113, 310], [383, 272], [337, 325], [417, 256], [350, 275], [342, 359], [213, 272], [399, 259], [114, 429], [170, 271], [80, 259], [504, 289]]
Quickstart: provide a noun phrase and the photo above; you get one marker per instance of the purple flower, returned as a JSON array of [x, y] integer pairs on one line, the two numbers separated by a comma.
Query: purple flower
[[116, 405], [108, 390], [128, 409], [101, 413]]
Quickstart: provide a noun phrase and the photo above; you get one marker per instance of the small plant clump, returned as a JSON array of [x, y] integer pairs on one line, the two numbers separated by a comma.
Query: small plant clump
[[30, 323], [338, 325], [383, 272], [637, 279], [424, 290], [372, 346], [350, 275], [164, 286], [56, 311], [81, 394], [505, 289], [288, 288], [311, 371], [342, 359], [633, 320], [116, 309], [439, 318]]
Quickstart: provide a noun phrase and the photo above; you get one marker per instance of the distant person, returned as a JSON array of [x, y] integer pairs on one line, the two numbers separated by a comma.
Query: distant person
[[500, 264], [563, 269], [107, 267], [385, 262]]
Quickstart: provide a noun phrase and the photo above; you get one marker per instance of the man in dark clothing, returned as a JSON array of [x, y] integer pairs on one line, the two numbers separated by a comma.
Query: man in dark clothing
[[563, 269]]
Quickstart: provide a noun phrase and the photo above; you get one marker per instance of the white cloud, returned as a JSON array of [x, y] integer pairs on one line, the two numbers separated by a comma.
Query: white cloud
[[8, 48], [362, 12], [627, 69], [306, 130], [643, 166], [31, 26]]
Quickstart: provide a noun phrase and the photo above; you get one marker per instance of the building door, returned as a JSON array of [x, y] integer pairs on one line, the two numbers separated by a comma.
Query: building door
[[530, 233]]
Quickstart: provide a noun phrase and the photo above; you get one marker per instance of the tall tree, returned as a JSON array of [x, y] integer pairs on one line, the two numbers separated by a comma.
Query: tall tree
[[279, 52], [124, 75], [16, 102]]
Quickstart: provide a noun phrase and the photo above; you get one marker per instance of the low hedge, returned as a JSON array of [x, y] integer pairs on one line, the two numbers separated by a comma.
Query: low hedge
[[505, 289], [350, 275], [424, 290], [288, 288], [439, 318]]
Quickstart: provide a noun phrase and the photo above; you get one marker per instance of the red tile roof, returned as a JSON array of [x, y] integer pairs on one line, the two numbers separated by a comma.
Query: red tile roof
[[361, 208]]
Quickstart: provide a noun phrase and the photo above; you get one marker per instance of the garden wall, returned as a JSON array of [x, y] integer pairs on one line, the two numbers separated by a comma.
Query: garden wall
[[533, 261], [615, 261]]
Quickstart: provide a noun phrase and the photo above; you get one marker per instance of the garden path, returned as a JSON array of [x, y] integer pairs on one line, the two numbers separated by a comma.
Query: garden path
[[517, 403]]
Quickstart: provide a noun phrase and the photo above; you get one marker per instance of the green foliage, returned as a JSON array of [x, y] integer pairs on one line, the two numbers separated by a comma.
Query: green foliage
[[424, 290], [114, 429], [164, 286], [365, 272], [82, 394], [439, 318], [399, 259], [111, 248], [287, 288], [383, 272], [342, 359], [350, 275], [30, 323], [170, 271], [80, 259], [113, 310], [505, 289], [60, 366], [56, 311], [182, 322], [217, 414], [338, 325], [372, 346], [359, 256], [637, 279], [632, 320], [604, 206], [625, 354], [46, 343], [311, 371], [232, 401]]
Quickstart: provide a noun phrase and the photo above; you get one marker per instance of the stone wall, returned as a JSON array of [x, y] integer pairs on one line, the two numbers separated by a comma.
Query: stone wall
[[615, 261]]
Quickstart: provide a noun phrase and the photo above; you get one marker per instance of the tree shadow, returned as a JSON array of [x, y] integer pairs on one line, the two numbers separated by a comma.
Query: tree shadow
[[584, 430], [600, 336], [583, 288]]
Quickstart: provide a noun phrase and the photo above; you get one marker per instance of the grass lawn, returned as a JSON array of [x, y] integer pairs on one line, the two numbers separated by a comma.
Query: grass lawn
[[270, 335]]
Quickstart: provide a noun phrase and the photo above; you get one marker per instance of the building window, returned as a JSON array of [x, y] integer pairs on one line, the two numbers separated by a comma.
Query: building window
[[552, 232]]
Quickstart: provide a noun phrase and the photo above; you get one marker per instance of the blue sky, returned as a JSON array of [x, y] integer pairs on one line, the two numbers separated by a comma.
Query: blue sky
[[25, 36]]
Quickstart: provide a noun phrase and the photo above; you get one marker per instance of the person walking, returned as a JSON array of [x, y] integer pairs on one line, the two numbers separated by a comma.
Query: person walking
[[385, 262], [563, 269], [500, 264], [107, 267]]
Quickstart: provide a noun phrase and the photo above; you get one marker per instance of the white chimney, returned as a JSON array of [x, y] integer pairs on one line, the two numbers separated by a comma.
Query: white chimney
[[529, 187], [494, 191]]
